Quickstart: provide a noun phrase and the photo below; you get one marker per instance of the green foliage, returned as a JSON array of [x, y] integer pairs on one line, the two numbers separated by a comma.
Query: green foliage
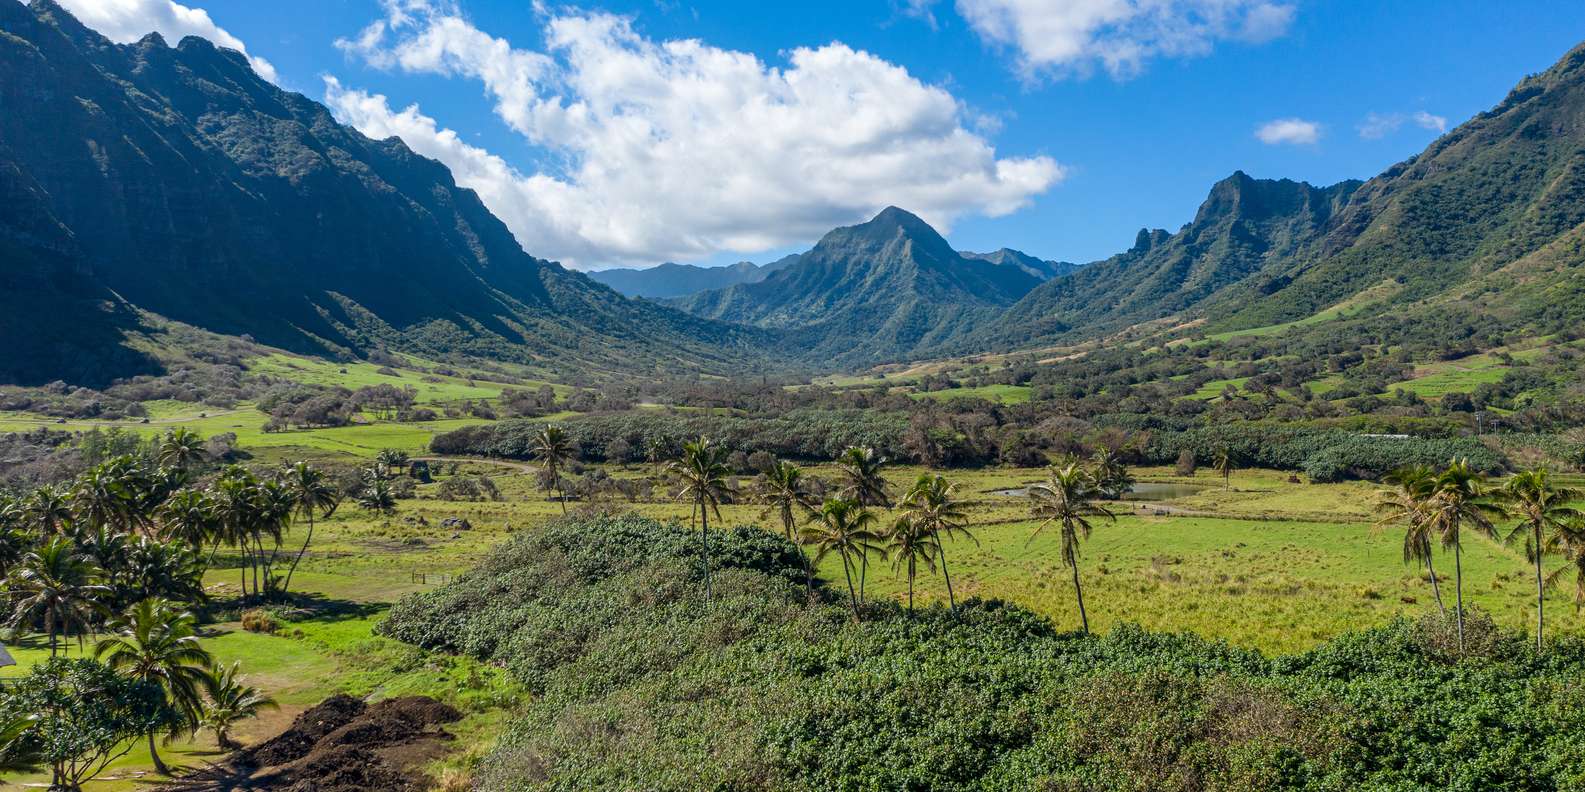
[[641, 684], [86, 715], [1324, 455]]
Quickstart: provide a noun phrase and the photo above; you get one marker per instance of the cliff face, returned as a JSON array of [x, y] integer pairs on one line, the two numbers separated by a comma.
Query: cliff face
[[194, 189]]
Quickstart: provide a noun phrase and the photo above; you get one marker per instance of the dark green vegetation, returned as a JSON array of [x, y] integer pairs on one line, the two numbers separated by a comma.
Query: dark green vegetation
[[889, 289], [194, 189], [678, 280], [759, 689]]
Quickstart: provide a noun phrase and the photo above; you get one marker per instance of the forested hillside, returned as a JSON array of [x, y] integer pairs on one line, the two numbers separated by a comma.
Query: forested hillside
[[180, 180]]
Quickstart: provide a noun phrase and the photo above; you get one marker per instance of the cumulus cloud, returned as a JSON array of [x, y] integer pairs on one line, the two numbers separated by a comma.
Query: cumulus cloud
[[126, 21], [1379, 125], [1292, 131], [654, 150], [1072, 37]]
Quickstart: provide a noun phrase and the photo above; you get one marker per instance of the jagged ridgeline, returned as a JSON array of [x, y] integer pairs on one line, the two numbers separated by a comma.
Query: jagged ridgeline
[[1487, 220], [176, 181]]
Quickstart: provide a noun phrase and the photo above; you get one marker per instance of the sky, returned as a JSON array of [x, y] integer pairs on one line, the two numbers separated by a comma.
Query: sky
[[631, 132]]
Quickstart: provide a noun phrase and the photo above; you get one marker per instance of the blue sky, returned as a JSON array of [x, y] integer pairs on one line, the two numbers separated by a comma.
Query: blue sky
[[1059, 127]]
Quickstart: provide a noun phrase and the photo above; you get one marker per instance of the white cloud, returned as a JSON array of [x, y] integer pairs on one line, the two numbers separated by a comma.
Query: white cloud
[[658, 150], [1379, 125], [1071, 37], [1295, 131], [126, 21]]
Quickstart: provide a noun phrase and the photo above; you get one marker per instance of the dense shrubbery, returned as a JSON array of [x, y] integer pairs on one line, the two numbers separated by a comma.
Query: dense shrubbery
[[1323, 454], [800, 434], [640, 684]]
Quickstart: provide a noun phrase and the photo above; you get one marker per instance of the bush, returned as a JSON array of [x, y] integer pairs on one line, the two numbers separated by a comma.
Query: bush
[[259, 620]]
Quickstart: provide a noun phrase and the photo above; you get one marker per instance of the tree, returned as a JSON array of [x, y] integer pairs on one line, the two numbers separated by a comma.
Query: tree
[[783, 490], [57, 586], [553, 449], [158, 645], [1067, 499], [911, 543], [188, 516], [1541, 507], [1569, 541], [377, 495], [390, 462], [1458, 498], [1224, 463], [312, 494], [703, 473], [863, 482], [112, 495], [47, 510], [19, 752], [238, 509], [230, 703], [1112, 478], [181, 449], [1407, 502], [846, 528], [929, 504], [83, 716]]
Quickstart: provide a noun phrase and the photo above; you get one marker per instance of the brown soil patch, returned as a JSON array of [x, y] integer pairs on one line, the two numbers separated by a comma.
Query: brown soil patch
[[340, 745]]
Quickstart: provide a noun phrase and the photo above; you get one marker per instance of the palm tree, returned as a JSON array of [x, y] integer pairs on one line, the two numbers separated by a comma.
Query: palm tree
[[862, 482], [553, 449], [1068, 499], [703, 473], [1459, 498], [112, 495], [784, 491], [1541, 506], [377, 495], [47, 509], [1407, 503], [1224, 463], [1112, 478], [181, 449], [1569, 541], [909, 542], [930, 505], [17, 753], [846, 528], [57, 585], [188, 515], [231, 702], [237, 512], [312, 493], [658, 450], [158, 644]]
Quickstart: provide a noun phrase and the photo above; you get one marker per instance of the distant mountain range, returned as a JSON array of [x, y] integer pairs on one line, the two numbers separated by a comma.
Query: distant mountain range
[[879, 291], [176, 181], [143, 181], [679, 280]]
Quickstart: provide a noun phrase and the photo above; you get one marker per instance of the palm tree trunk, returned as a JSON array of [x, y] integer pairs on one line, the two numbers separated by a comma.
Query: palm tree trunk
[[1458, 587], [287, 586], [952, 603], [1084, 619], [847, 569], [910, 588], [704, 543], [864, 572], [159, 764], [1436, 587], [1540, 592]]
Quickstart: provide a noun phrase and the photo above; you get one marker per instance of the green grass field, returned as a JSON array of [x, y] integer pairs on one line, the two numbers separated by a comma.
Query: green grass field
[[1006, 394], [1265, 564]]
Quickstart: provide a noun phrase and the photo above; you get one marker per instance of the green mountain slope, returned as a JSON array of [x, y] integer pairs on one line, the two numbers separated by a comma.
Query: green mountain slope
[[1488, 217], [882, 290], [679, 280], [182, 182]]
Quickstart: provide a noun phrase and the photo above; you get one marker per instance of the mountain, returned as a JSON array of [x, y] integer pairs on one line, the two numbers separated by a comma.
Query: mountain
[[1488, 222], [1243, 225], [883, 290], [1040, 268], [679, 280], [178, 182]]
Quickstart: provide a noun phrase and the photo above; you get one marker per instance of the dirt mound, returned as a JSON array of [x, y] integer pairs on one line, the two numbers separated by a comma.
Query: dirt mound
[[341, 745]]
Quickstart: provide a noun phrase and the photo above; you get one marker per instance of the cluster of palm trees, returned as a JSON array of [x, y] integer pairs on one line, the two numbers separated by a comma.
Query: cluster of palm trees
[[135, 528], [1439, 505], [156, 642]]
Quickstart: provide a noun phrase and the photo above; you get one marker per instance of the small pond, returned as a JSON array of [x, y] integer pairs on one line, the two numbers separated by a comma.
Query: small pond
[[1141, 491]]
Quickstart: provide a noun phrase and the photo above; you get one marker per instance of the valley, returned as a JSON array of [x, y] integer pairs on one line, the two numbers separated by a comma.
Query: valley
[[313, 475]]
